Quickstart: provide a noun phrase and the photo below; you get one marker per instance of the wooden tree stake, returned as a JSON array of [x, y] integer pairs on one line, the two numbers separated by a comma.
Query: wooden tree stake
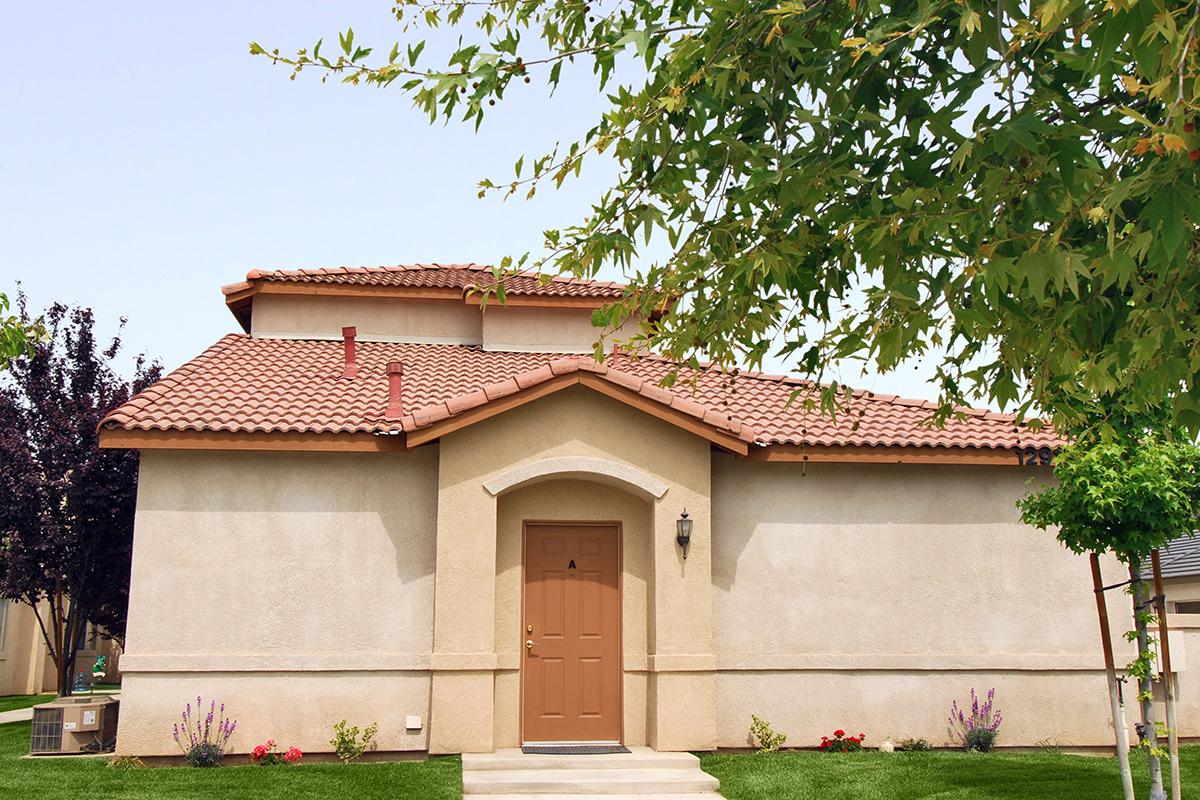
[[1110, 670]]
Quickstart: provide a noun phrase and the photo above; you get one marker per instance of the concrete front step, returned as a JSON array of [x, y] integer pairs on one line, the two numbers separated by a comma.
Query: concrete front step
[[577, 781], [640, 774], [637, 758]]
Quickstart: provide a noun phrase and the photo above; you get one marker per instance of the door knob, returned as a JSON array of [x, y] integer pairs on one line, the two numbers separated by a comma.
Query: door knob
[[529, 644]]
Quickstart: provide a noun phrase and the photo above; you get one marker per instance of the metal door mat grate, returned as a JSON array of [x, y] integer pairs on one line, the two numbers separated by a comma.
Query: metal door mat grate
[[573, 749]]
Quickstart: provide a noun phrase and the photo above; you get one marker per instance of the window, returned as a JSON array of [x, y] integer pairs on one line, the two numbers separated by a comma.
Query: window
[[1188, 607]]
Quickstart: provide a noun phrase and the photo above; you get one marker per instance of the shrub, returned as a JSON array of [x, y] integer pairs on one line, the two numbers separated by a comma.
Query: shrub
[[202, 742], [978, 730], [267, 755], [768, 739], [347, 742], [914, 746], [840, 743]]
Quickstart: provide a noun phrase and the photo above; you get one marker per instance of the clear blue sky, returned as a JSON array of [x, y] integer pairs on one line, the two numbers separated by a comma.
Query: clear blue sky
[[146, 159]]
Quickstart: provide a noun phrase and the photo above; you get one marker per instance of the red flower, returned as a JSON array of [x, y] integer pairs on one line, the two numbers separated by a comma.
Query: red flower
[[824, 743], [862, 736], [1188, 127], [839, 732], [257, 753], [293, 755], [1194, 155]]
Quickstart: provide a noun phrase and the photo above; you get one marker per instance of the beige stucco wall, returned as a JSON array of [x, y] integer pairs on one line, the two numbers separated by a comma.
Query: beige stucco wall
[[296, 316], [546, 330], [496, 327], [473, 664], [1185, 589], [295, 588], [868, 597]]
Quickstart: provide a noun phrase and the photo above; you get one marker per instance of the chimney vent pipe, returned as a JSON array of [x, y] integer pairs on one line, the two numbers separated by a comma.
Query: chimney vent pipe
[[395, 374], [350, 346]]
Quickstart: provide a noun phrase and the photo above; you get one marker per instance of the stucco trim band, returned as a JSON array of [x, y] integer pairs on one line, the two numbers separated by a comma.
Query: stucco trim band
[[614, 473], [463, 662], [275, 662], [919, 662], [681, 662]]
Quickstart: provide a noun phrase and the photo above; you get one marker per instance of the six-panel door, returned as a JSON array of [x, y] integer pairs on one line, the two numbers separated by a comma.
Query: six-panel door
[[571, 674]]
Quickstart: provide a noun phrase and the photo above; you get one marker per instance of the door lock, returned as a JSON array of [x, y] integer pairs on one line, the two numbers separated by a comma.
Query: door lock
[[529, 644]]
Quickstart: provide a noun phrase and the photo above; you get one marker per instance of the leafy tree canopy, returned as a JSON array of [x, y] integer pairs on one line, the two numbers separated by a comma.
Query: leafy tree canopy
[[16, 336], [66, 523], [1009, 186], [1126, 493]]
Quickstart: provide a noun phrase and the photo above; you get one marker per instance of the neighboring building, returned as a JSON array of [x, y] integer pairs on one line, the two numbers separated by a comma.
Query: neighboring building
[[25, 663], [462, 517], [1181, 575]]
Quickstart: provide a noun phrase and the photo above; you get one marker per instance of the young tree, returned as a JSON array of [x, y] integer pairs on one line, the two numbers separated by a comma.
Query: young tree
[[1127, 494], [66, 525], [1011, 187]]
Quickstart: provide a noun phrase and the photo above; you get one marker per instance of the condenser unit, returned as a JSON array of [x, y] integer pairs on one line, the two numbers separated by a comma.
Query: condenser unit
[[74, 725]]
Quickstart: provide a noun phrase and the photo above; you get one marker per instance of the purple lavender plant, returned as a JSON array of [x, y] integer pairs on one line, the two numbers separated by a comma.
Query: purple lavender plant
[[978, 730], [202, 744]]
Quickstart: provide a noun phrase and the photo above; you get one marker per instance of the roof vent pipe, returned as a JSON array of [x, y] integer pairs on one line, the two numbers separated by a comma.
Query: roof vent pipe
[[395, 374], [350, 369]]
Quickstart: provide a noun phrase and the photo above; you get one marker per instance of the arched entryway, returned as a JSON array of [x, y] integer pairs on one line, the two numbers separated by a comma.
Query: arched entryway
[[584, 678]]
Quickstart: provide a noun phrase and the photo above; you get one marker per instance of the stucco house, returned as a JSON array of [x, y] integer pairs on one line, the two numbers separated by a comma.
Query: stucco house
[[384, 502], [25, 663]]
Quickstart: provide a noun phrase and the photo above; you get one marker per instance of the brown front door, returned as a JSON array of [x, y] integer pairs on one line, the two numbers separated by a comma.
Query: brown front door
[[571, 674]]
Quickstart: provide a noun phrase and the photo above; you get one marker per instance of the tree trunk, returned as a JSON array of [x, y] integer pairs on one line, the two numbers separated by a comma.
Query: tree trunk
[[1168, 675], [1141, 610], [58, 620]]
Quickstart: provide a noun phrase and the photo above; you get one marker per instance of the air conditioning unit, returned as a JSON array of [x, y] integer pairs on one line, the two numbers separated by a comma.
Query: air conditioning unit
[[77, 724]]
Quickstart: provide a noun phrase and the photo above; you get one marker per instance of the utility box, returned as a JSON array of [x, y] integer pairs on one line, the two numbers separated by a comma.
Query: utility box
[[75, 724]]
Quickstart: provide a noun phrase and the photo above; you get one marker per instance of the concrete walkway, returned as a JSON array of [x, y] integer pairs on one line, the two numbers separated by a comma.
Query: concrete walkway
[[641, 774], [17, 715]]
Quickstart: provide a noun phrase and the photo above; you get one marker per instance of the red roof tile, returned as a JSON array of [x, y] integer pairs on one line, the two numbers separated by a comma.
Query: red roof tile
[[463, 277], [287, 385]]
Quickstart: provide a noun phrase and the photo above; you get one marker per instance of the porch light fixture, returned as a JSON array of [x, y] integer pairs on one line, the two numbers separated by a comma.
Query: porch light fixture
[[683, 532]]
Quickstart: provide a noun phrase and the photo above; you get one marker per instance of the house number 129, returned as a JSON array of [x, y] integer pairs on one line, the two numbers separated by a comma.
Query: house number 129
[[1034, 456]]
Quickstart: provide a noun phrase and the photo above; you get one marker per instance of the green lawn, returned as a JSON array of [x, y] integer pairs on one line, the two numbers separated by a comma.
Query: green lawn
[[434, 779], [13, 701], [783, 776], [945, 776]]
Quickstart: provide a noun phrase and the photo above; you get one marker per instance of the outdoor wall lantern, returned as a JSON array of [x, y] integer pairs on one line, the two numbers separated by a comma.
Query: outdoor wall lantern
[[683, 532]]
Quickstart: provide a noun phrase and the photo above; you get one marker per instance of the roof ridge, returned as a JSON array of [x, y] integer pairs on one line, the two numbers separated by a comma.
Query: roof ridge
[[470, 266], [565, 365]]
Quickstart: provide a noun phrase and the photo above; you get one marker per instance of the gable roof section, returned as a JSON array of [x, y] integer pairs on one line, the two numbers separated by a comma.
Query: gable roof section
[[457, 282], [281, 387]]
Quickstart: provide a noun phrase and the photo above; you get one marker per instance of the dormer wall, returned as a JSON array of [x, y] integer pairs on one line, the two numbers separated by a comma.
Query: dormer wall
[[378, 319], [430, 321]]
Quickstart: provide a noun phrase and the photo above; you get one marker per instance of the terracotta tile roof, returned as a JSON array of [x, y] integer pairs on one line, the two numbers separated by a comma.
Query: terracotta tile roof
[[435, 276], [288, 385]]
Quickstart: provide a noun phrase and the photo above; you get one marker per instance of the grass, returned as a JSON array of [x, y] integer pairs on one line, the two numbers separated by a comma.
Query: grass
[[11, 702], [433, 779], [779, 776], [941, 775]]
